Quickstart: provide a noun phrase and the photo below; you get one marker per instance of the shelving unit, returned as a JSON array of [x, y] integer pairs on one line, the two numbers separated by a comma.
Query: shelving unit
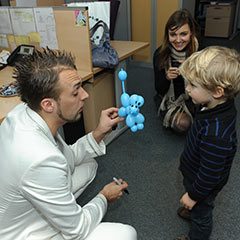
[[219, 20], [201, 15]]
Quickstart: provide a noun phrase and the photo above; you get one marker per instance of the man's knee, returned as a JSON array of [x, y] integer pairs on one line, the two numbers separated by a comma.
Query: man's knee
[[132, 233], [116, 231], [128, 232], [82, 176], [92, 169]]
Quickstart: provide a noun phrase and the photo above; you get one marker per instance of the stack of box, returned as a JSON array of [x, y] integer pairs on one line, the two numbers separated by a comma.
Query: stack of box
[[219, 20]]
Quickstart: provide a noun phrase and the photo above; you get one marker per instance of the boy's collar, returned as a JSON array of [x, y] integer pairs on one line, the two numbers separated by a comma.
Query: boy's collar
[[215, 103], [218, 109]]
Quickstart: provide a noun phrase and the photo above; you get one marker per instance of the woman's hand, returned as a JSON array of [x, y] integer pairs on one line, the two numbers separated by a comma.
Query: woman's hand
[[172, 73]]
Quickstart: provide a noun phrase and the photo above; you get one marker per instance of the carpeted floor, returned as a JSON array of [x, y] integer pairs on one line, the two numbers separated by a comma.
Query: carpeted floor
[[148, 160]]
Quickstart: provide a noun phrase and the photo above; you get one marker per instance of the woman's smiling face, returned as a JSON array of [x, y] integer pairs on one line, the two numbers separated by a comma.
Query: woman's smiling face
[[180, 38]]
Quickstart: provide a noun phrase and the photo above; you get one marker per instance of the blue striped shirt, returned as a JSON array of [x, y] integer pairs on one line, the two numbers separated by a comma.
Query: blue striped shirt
[[209, 150]]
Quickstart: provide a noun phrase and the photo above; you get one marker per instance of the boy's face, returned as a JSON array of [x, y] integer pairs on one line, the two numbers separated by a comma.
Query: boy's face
[[201, 95]]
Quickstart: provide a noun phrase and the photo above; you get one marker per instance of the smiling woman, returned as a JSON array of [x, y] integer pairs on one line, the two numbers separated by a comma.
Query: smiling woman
[[180, 41]]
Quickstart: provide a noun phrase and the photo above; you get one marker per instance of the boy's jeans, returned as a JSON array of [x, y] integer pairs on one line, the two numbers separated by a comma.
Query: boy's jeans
[[201, 216]]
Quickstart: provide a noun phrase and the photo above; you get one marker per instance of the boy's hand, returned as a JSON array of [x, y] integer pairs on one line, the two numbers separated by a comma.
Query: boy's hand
[[187, 202], [108, 119]]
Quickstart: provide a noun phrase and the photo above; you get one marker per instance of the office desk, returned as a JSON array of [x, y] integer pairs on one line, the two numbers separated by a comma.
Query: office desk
[[125, 49], [7, 103]]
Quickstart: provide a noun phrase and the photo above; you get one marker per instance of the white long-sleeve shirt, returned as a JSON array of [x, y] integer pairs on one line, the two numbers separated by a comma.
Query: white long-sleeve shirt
[[36, 201]]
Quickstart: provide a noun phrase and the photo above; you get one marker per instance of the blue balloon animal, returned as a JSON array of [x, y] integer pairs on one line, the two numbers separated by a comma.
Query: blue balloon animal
[[130, 107]]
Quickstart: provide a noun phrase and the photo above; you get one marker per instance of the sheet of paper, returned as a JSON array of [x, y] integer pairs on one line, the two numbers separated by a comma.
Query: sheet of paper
[[80, 18], [35, 37], [5, 22], [12, 43], [3, 41], [46, 26], [23, 21], [4, 56], [22, 40]]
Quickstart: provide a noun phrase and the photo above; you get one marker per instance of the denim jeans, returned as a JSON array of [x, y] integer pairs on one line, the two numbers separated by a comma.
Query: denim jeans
[[201, 216]]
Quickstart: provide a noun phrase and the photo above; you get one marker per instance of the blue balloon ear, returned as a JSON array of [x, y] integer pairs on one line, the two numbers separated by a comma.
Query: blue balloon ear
[[133, 99], [125, 99]]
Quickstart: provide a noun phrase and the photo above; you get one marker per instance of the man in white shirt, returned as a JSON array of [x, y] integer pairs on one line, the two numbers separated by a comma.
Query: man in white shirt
[[40, 175]]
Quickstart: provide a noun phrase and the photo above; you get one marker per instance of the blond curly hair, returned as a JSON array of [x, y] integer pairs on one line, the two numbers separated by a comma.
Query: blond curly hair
[[213, 67]]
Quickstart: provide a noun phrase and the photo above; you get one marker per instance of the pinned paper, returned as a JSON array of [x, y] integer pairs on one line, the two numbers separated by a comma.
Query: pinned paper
[[5, 22], [35, 37], [3, 41], [45, 24], [11, 40], [22, 40], [80, 20], [23, 21], [4, 56]]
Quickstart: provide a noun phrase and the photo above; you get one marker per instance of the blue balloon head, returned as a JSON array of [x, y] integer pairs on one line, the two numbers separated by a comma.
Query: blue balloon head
[[122, 75]]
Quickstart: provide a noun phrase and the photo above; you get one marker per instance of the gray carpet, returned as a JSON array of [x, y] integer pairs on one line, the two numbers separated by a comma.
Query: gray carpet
[[148, 160]]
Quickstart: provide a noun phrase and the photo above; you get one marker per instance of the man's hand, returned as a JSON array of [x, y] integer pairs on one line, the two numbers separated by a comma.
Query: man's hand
[[113, 191], [108, 119], [187, 202]]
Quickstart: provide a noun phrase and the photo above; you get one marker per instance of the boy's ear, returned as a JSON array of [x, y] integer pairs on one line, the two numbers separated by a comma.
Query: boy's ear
[[218, 93]]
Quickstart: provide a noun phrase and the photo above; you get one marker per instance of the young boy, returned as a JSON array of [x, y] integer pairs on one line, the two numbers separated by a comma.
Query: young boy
[[213, 76]]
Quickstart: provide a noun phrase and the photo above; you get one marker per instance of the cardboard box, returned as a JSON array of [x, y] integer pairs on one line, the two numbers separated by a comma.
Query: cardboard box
[[219, 20], [101, 96], [218, 27], [219, 11]]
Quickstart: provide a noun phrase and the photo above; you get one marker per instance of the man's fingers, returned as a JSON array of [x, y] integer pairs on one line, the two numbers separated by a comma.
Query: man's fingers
[[114, 115], [111, 110]]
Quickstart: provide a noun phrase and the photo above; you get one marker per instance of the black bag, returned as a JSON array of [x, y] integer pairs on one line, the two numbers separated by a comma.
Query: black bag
[[103, 54]]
